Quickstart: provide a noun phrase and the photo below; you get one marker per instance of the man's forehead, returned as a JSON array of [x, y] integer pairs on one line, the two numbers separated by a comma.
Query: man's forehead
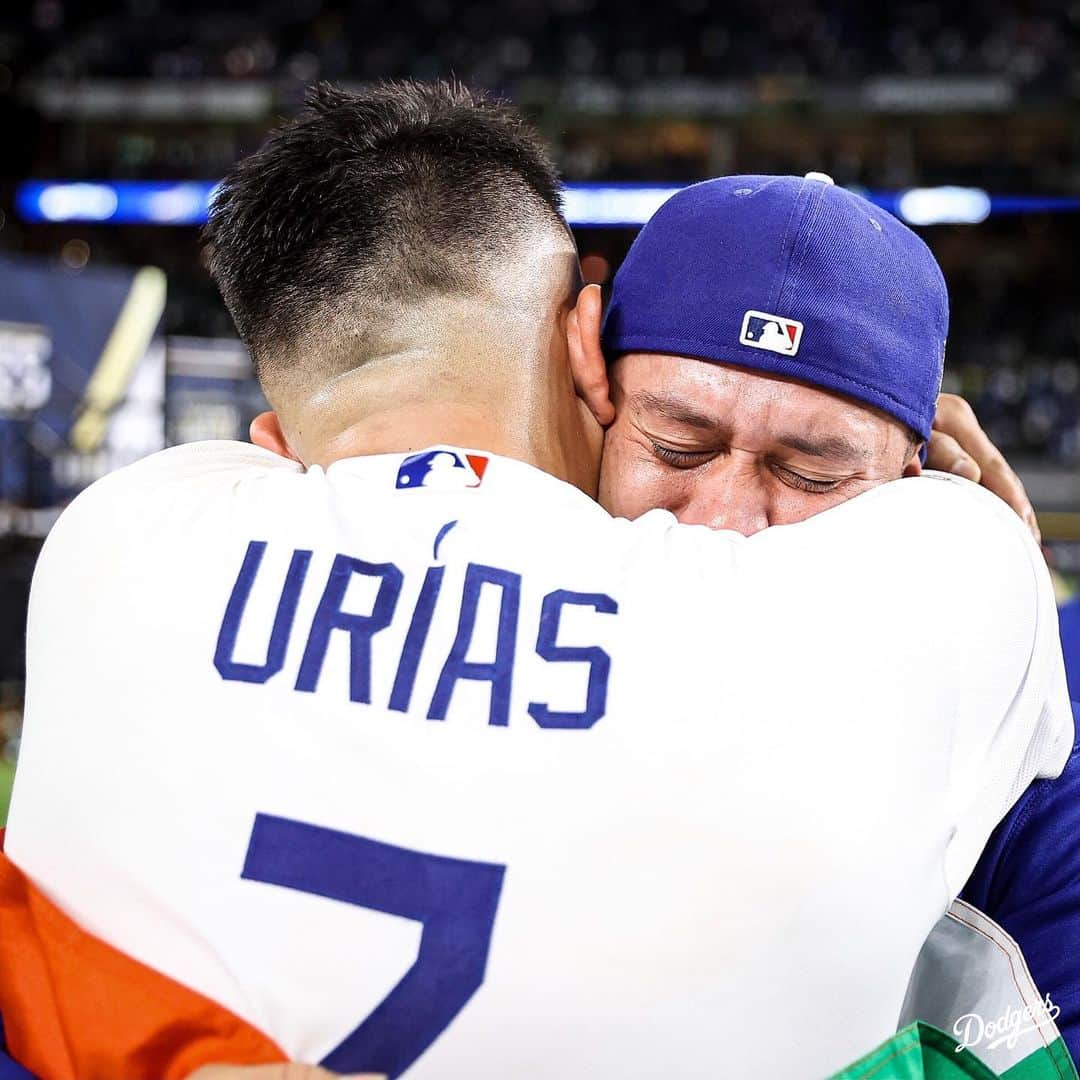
[[731, 401]]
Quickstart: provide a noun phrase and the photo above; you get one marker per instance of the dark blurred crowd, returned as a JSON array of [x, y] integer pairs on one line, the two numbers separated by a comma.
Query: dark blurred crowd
[[1034, 44], [769, 86], [886, 95]]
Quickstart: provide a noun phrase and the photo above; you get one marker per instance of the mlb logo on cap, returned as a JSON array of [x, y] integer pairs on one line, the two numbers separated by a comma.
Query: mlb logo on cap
[[763, 331], [442, 470]]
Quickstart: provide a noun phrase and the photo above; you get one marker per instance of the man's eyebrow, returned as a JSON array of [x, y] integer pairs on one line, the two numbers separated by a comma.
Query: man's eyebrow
[[834, 447], [674, 409]]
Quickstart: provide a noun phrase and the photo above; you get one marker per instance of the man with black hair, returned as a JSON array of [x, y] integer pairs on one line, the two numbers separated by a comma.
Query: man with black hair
[[473, 761]]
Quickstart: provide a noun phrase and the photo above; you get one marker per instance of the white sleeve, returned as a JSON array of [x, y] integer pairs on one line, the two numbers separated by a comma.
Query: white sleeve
[[1016, 623], [988, 641], [928, 598]]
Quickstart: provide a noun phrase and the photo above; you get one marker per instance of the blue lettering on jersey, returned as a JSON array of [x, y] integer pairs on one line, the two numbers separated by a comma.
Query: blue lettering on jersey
[[499, 671], [496, 669], [599, 662], [405, 680], [283, 619], [360, 628]]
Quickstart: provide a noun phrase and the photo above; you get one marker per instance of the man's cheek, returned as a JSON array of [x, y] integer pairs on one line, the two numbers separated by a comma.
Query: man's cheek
[[628, 481], [796, 506]]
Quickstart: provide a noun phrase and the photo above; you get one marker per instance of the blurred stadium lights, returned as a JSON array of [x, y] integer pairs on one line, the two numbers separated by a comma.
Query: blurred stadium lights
[[599, 205], [76, 202], [155, 100], [143, 202], [252, 99], [944, 206], [125, 202]]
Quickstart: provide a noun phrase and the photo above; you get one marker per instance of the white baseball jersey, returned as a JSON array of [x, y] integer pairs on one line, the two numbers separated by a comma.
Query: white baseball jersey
[[427, 765]]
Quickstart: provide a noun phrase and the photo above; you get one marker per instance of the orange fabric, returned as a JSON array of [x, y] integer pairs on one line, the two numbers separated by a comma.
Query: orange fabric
[[75, 1008]]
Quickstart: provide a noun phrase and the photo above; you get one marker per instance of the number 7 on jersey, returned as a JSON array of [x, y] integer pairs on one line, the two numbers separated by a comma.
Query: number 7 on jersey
[[453, 899]]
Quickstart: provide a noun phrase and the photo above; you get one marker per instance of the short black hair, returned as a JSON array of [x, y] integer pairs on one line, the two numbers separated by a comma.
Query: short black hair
[[367, 201]]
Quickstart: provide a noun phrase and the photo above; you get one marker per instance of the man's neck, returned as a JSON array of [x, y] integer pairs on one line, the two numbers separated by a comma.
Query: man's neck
[[409, 428], [554, 447], [457, 389]]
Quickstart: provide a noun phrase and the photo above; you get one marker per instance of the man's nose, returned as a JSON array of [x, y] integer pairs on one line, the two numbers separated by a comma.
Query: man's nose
[[729, 496]]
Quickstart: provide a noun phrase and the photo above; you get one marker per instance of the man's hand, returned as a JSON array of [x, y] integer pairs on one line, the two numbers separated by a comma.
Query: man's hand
[[289, 1070], [959, 445]]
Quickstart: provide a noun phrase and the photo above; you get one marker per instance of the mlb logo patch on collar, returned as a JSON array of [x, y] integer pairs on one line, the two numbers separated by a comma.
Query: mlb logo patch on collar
[[773, 332], [442, 470]]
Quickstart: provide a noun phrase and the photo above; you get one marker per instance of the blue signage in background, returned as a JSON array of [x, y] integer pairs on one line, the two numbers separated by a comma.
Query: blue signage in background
[[122, 202], [144, 202], [82, 376]]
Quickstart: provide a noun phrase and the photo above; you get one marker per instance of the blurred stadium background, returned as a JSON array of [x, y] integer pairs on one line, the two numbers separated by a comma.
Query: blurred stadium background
[[117, 117]]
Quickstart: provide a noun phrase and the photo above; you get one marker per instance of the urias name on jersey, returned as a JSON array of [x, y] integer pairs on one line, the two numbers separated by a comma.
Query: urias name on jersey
[[388, 581], [425, 765]]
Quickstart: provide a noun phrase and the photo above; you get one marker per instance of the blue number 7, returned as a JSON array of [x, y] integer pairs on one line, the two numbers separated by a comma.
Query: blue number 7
[[455, 901]]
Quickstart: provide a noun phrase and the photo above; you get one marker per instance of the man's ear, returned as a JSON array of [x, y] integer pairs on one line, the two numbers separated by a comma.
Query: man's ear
[[587, 364], [914, 463], [265, 431]]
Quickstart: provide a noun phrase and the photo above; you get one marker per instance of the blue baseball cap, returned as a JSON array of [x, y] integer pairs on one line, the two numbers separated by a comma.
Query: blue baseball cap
[[792, 276]]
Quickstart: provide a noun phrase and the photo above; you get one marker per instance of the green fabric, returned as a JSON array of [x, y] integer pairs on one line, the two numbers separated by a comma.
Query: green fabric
[[7, 778], [922, 1052], [919, 1052], [1052, 1064]]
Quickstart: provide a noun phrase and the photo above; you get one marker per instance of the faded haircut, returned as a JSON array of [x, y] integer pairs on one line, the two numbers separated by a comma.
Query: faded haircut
[[364, 204]]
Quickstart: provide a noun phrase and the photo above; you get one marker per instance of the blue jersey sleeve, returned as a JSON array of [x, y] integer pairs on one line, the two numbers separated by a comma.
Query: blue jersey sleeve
[[1028, 881], [10, 1069], [1070, 645]]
